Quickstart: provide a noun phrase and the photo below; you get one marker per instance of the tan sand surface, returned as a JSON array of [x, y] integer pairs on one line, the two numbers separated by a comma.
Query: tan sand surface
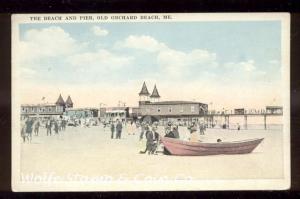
[[81, 153]]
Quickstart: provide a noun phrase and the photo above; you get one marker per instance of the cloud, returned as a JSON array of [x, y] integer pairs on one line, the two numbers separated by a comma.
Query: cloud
[[246, 66], [98, 31], [176, 63], [173, 62], [99, 60], [179, 63], [51, 42], [142, 42]]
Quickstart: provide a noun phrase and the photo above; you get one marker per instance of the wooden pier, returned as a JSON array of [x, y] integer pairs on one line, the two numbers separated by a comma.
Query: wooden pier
[[209, 117]]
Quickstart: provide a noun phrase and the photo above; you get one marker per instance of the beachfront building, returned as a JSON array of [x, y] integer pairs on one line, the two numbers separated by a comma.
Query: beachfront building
[[174, 109], [81, 113], [44, 110], [114, 113], [41, 110], [165, 110], [150, 105]]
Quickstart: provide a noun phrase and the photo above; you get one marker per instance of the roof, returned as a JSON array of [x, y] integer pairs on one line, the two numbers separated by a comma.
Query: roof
[[175, 102], [144, 90], [273, 107], [60, 100], [155, 93], [69, 101], [38, 105]]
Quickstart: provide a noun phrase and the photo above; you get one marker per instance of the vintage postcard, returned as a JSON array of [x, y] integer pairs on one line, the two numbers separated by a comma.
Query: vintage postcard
[[144, 102]]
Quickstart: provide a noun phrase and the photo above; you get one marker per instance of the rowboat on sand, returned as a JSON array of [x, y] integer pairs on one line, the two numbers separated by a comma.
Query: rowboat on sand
[[186, 148]]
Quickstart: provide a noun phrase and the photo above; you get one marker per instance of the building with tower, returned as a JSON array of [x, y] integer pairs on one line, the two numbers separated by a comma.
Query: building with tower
[[154, 97], [69, 102], [60, 101], [45, 110], [144, 94], [151, 105], [181, 110]]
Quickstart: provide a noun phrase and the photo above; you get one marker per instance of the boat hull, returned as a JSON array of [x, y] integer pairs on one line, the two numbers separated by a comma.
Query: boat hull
[[185, 148]]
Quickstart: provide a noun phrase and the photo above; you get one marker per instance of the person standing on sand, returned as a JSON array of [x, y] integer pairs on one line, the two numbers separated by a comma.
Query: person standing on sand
[[119, 129], [201, 128], [112, 129], [143, 128], [152, 141], [29, 125], [56, 127], [129, 128], [64, 123], [36, 127], [133, 127], [48, 127]]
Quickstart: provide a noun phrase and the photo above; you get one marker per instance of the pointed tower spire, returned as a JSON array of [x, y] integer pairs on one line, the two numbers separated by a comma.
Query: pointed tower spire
[[69, 102], [155, 93], [60, 101], [144, 91]]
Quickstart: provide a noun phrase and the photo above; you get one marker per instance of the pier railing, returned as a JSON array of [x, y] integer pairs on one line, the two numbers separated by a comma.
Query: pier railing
[[210, 115]]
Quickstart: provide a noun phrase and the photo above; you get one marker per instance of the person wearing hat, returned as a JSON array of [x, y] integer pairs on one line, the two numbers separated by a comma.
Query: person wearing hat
[[112, 130], [119, 129], [175, 132], [168, 128], [150, 141], [49, 126], [201, 128]]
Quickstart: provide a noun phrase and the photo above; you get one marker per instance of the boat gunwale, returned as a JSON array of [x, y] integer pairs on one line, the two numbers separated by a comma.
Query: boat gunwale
[[213, 144], [243, 147]]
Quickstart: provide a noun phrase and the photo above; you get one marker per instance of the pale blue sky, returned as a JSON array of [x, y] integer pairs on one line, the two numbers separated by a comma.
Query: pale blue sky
[[245, 53], [231, 41]]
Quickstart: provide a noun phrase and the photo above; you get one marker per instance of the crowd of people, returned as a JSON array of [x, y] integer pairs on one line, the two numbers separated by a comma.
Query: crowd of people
[[32, 125], [147, 131]]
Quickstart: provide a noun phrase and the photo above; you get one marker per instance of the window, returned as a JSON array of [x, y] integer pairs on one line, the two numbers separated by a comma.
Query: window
[[158, 110], [192, 108]]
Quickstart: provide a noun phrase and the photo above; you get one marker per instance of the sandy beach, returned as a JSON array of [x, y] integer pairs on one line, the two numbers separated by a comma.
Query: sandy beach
[[89, 153]]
